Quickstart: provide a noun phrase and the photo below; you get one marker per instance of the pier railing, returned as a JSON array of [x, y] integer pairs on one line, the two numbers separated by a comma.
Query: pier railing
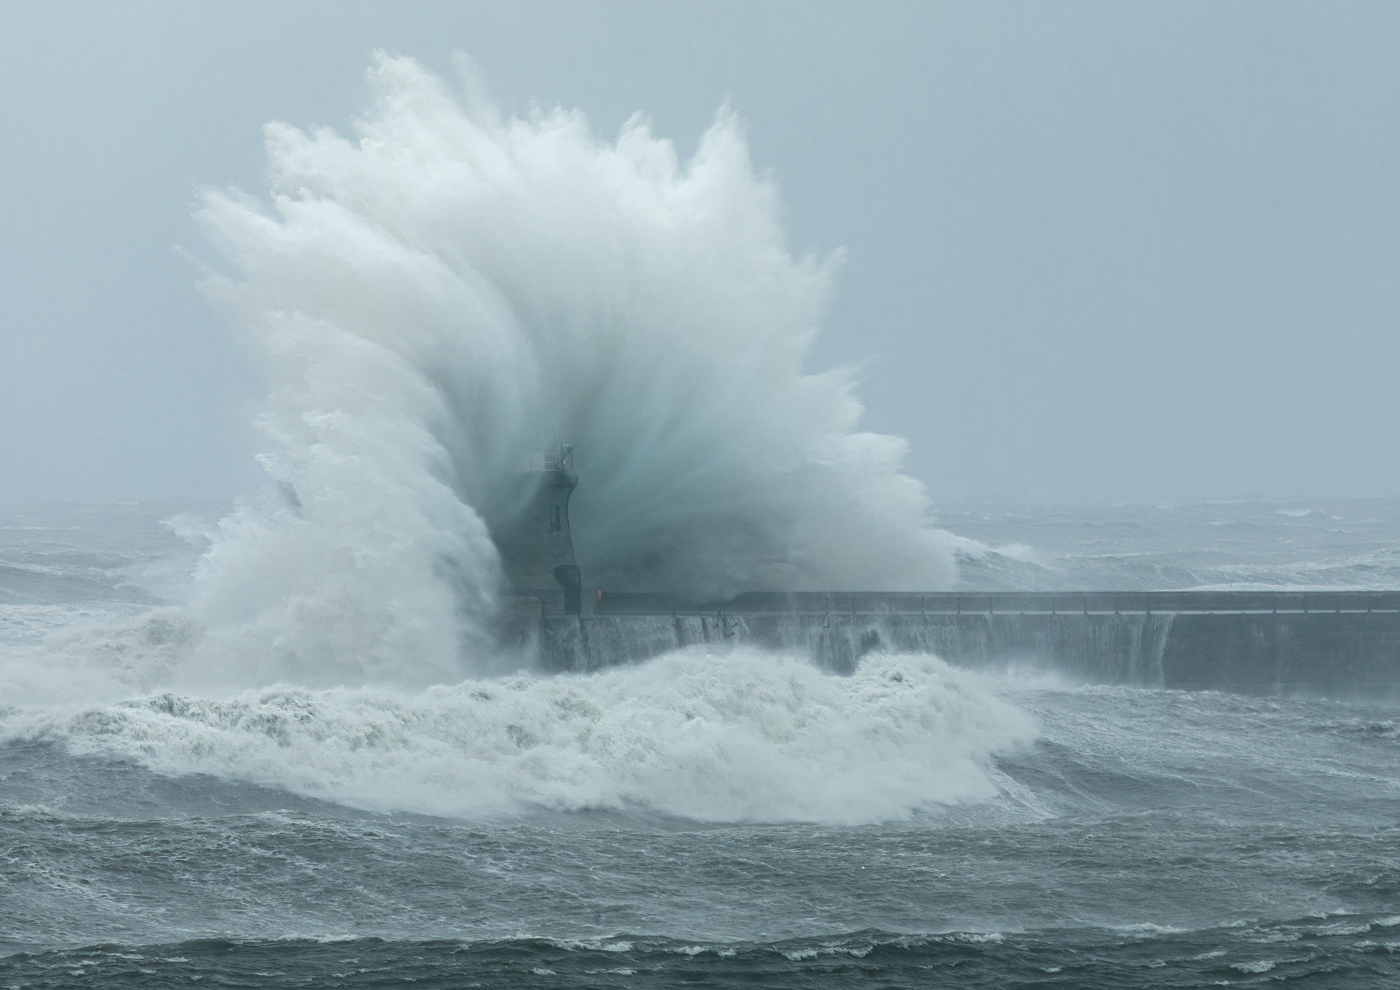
[[1049, 602]]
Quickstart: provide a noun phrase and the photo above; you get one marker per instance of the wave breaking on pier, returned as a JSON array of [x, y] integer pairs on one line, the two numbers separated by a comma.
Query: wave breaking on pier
[[453, 289]]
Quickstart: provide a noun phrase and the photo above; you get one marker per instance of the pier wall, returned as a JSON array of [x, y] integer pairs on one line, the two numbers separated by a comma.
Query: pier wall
[[1331, 643]]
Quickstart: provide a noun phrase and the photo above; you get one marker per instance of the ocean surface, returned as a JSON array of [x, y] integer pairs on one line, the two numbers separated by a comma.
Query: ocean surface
[[713, 819]]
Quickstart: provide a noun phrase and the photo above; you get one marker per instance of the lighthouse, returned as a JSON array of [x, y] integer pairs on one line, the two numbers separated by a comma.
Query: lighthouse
[[537, 546]]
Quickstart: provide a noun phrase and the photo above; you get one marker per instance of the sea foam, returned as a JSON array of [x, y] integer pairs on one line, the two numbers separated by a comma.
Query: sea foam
[[742, 735]]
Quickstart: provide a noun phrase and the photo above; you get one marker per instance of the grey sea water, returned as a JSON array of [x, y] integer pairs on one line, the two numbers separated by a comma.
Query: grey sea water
[[639, 828], [1217, 546]]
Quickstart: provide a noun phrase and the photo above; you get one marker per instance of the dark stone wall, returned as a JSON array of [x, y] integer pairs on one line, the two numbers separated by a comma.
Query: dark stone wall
[[1338, 654]]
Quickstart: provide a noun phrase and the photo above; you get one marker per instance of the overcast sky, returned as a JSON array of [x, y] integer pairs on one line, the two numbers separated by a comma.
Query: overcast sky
[[1095, 251]]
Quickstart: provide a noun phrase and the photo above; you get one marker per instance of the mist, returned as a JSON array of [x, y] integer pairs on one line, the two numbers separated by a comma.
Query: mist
[[1091, 252]]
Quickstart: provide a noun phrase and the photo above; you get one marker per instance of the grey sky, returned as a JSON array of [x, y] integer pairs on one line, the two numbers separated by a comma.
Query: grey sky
[[1095, 251]]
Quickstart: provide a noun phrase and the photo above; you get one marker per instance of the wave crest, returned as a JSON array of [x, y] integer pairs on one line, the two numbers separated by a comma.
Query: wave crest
[[724, 737]]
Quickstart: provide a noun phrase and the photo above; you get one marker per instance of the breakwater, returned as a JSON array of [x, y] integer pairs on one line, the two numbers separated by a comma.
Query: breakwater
[[1333, 643]]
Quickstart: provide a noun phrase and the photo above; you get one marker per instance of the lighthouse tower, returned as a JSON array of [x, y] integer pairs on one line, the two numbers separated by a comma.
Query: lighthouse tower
[[537, 548]]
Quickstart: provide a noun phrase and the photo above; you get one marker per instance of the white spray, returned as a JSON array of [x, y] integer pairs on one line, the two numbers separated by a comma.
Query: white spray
[[739, 735], [453, 291]]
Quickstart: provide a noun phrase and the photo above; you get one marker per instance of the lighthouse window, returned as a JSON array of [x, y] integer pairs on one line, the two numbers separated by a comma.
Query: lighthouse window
[[554, 524]]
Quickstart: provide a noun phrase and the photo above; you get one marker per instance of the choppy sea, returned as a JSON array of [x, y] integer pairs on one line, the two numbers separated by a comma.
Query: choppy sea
[[703, 819]]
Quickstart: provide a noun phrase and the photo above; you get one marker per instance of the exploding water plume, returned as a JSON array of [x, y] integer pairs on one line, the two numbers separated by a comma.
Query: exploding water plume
[[455, 289]]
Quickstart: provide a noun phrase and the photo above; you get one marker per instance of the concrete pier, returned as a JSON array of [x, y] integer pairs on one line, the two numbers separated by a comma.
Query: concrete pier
[[1340, 644]]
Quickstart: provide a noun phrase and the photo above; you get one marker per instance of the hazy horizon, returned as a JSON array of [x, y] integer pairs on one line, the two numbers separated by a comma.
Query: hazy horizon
[[1093, 253]]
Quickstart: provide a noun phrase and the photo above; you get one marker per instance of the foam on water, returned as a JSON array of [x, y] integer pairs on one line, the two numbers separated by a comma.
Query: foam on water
[[90, 655], [452, 291], [731, 736]]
